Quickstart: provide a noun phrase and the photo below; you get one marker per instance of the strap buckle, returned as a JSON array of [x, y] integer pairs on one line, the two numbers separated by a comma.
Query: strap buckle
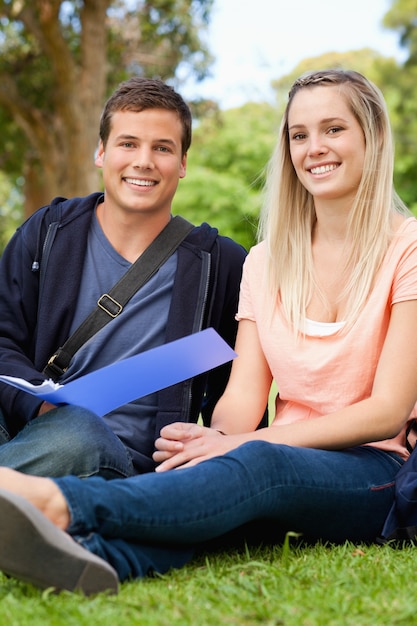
[[52, 369], [109, 305]]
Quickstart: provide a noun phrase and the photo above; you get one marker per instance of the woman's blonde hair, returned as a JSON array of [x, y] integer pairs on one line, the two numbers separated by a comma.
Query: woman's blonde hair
[[288, 214]]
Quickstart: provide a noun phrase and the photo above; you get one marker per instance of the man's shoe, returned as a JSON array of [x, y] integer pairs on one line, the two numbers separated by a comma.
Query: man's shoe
[[32, 549]]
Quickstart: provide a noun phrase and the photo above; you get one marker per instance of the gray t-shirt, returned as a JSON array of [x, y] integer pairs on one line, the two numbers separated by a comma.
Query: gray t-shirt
[[141, 326]]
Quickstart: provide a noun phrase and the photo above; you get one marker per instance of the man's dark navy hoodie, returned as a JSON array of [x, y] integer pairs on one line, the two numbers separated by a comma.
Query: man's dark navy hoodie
[[40, 274]]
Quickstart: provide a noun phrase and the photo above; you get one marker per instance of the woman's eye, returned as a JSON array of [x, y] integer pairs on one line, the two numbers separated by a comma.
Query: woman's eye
[[298, 136]]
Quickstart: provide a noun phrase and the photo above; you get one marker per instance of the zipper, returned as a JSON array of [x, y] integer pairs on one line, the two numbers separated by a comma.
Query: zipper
[[46, 249], [204, 288], [198, 322]]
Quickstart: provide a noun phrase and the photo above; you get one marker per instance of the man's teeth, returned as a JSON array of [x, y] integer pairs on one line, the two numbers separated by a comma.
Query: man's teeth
[[323, 169], [140, 183]]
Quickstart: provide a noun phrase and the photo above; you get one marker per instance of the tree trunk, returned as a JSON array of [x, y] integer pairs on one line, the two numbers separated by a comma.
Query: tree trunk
[[63, 136]]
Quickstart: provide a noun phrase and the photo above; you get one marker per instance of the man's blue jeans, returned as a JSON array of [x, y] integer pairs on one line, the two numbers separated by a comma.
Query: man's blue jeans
[[66, 440], [155, 521]]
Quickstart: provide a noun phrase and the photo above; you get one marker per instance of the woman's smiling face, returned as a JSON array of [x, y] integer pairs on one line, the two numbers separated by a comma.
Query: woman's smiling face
[[327, 144]]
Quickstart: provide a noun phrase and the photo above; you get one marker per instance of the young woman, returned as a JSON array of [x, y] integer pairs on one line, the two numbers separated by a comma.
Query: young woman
[[327, 309]]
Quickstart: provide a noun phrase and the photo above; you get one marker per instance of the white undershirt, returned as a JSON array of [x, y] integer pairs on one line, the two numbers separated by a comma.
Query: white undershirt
[[322, 329]]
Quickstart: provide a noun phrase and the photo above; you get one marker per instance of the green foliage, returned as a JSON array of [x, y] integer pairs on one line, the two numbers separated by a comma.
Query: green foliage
[[402, 100], [224, 201], [158, 38], [401, 17], [174, 27], [238, 141], [298, 585], [225, 170], [10, 209]]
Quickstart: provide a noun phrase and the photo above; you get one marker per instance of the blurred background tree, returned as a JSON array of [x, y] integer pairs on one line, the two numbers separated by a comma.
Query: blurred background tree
[[225, 171], [402, 18], [61, 59]]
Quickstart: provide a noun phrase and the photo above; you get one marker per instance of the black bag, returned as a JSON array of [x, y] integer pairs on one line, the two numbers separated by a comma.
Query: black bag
[[401, 522]]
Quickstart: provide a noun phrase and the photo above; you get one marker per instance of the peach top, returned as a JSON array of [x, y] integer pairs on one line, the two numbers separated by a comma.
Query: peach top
[[331, 367]]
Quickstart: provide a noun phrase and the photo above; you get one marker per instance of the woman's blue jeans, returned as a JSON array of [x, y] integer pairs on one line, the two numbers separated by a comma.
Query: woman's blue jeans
[[155, 521]]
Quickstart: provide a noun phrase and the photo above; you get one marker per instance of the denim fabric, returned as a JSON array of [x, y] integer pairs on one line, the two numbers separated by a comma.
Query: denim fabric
[[66, 440], [4, 433], [154, 521]]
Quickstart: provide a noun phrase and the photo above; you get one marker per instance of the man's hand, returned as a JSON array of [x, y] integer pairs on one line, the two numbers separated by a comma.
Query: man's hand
[[45, 407]]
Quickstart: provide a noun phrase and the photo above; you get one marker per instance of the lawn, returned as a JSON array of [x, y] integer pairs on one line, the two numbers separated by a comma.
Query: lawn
[[289, 584]]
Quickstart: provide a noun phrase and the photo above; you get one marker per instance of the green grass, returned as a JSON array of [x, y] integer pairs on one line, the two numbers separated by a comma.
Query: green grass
[[291, 585]]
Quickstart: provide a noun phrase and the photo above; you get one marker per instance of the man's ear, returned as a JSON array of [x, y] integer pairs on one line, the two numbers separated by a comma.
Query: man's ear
[[183, 166], [99, 155]]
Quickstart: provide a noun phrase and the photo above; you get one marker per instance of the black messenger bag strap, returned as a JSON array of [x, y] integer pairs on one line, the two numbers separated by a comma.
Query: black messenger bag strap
[[111, 304]]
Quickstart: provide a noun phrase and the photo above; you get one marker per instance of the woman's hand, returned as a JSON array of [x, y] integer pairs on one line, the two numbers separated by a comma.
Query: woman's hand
[[183, 444]]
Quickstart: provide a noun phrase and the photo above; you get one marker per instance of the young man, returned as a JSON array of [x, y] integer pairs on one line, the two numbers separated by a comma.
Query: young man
[[69, 253]]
